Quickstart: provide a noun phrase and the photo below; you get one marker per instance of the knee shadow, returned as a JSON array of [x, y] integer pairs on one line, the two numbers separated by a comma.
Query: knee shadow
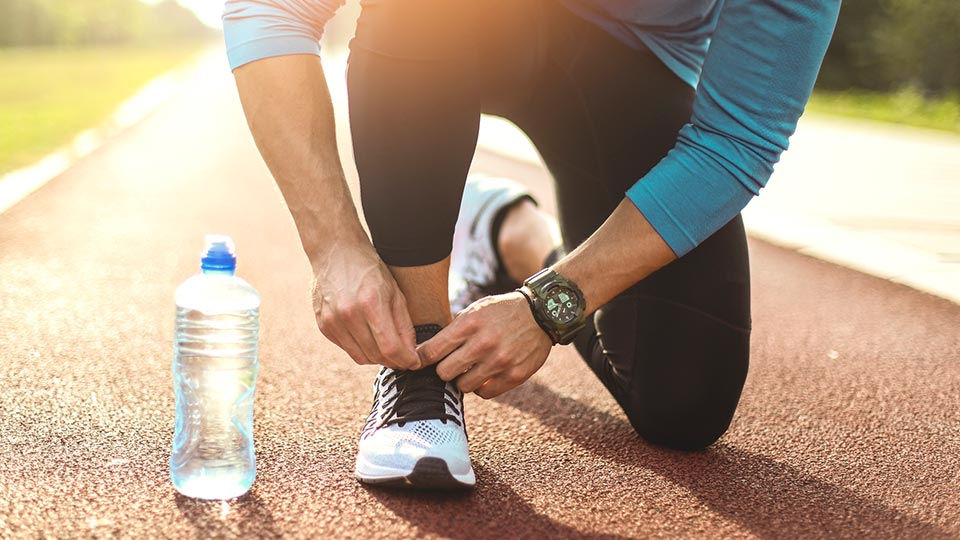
[[770, 499], [248, 517], [492, 510]]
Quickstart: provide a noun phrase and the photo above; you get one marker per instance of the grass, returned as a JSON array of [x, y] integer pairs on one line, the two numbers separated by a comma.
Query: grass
[[48, 95], [905, 107]]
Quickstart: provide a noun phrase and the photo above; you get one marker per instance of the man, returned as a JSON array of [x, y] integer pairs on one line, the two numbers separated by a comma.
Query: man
[[655, 146]]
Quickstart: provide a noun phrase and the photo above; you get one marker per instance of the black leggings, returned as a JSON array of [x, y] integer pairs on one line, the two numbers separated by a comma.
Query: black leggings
[[674, 348]]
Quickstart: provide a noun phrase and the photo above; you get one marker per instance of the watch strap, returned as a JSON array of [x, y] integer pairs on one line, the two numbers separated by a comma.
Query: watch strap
[[528, 293], [535, 288]]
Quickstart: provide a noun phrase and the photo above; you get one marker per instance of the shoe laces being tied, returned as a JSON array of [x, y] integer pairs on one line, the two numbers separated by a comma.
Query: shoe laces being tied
[[418, 395]]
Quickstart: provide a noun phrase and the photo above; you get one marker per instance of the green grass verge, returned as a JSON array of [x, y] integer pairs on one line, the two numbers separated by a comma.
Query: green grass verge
[[905, 107], [48, 95]]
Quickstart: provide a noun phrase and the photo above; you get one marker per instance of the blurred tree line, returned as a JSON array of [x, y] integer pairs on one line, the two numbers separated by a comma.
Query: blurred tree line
[[879, 45], [889, 45], [90, 22]]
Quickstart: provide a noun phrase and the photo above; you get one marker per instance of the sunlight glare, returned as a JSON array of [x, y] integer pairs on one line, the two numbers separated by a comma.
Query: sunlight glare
[[207, 11]]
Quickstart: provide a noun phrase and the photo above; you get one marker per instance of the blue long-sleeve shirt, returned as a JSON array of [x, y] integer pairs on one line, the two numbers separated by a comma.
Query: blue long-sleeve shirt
[[753, 63]]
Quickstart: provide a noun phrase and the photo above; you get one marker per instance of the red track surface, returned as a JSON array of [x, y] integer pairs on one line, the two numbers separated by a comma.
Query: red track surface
[[849, 424]]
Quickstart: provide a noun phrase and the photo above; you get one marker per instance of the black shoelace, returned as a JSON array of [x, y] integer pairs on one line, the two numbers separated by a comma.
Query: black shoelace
[[420, 395]]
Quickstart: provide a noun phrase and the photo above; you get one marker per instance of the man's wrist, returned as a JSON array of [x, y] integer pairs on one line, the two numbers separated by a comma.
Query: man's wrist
[[328, 246], [325, 231], [624, 250], [527, 295], [557, 304]]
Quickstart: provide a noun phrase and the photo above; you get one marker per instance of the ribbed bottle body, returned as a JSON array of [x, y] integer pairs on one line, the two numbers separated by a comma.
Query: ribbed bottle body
[[214, 372]]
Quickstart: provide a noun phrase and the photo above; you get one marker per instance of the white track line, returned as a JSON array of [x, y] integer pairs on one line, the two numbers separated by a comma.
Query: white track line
[[18, 184]]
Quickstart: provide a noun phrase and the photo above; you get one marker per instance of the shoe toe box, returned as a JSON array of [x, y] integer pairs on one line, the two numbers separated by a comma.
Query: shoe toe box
[[401, 447]]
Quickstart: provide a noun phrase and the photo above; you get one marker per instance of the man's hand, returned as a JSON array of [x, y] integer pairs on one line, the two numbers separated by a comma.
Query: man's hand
[[492, 346], [361, 310], [495, 344], [355, 298]]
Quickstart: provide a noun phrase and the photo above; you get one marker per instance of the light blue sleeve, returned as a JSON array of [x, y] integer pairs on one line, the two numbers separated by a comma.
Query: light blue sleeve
[[255, 29], [757, 77]]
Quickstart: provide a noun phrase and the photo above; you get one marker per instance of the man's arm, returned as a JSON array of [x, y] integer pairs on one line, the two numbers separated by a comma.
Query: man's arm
[[759, 72], [288, 108], [496, 340], [623, 251], [758, 75], [290, 115]]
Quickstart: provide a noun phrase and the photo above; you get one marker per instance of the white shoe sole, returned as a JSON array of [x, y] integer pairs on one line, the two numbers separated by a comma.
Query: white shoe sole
[[430, 473]]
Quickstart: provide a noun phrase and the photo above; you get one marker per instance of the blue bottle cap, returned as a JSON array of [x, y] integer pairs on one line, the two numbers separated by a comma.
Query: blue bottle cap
[[218, 254]]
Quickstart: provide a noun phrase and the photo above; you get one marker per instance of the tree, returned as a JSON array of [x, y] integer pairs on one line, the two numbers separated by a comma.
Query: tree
[[919, 41], [888, 45], [86, 22]]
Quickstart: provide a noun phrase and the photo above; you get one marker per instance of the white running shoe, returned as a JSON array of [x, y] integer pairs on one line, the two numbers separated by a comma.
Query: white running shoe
[[475, 270], [415, 435]]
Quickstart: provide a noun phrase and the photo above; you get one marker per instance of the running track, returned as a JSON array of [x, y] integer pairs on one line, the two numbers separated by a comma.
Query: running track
[[848, 428]]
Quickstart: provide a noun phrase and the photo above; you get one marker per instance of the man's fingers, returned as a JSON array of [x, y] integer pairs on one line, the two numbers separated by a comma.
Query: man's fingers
[[493, 388], [335, 324], [404, 327], [365, 323], [456, 364], [502, 382], [473, 379], [363, 331], [445, 342], [368, 344], [393, 351]]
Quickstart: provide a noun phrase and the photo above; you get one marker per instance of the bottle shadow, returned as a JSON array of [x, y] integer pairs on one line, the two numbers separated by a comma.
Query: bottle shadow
[[245, 517], [769, 498], [492, 510]]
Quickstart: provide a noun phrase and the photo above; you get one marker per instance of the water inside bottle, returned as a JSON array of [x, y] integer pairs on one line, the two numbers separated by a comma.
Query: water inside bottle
[[215, 369]]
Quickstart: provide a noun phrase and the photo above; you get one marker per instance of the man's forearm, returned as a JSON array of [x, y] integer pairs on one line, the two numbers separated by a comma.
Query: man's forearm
[[624, 250], [289, 111]]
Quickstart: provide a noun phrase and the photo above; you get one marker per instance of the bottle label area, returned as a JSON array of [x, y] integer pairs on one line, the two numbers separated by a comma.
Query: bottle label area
[[215, 370]]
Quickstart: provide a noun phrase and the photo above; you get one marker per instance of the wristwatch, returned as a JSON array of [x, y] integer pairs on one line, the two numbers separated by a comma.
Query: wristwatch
[[557, 305]]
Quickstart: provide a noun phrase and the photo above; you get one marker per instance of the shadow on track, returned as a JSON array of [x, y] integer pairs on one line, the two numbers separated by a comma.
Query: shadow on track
[[492, 510], [247, 517], [770, 499]]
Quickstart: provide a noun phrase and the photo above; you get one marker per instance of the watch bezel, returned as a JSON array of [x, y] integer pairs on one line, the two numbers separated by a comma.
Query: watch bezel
[[548, 290], [539, 285]]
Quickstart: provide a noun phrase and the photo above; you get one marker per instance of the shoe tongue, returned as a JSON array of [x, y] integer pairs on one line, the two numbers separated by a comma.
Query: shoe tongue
[[421, 394], [426, 331]]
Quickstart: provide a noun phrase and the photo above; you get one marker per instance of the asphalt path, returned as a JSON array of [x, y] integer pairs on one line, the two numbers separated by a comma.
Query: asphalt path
[[848, 427]]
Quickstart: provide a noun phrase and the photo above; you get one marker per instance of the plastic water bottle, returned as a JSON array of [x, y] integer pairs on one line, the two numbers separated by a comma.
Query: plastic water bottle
[[214, 376]]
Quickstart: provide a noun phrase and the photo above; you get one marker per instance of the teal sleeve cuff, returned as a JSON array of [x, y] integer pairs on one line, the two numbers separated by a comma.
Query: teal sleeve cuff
[[756, 79], [256, 29], [662, 221], [685, 212], [243, 53]]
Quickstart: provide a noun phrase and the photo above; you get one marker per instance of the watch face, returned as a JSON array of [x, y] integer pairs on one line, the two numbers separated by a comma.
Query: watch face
[[561, 304]]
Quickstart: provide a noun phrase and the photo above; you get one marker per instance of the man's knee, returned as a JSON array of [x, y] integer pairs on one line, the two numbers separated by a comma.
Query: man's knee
[[679, 433], [690, 415]]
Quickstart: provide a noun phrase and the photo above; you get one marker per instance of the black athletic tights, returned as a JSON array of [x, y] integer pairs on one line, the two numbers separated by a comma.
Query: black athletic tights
[[673, 349]]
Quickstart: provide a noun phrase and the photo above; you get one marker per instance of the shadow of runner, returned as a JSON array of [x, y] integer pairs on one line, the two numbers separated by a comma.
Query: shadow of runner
[[492, 510], [770, 499], [247, 517]]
